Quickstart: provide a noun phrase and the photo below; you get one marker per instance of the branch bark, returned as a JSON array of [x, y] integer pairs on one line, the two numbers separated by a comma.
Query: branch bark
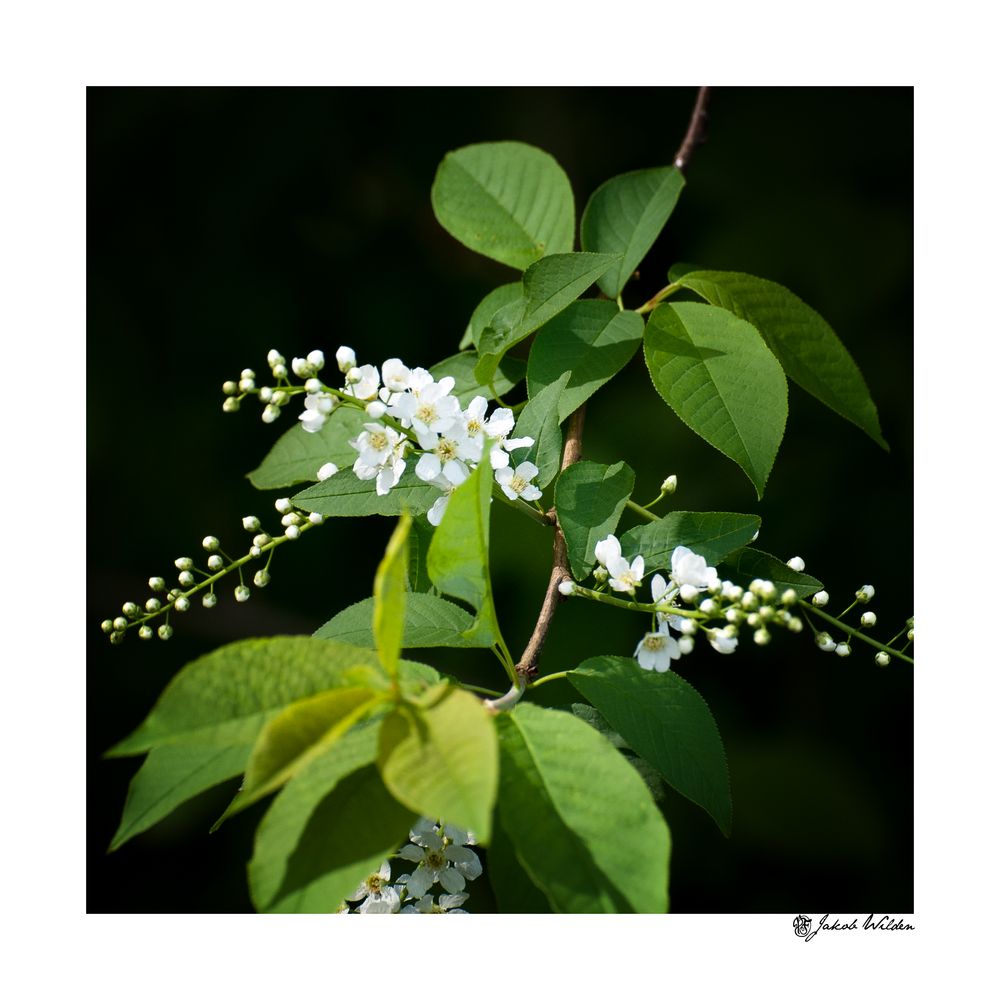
[[527, 666]]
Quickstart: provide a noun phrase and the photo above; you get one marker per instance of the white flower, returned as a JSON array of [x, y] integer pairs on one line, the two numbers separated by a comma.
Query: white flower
[[316, 359], [796, 563], [517, 482], [362, 383], [448, 482], [378, 895], [446, 903], [657, 649], [346, 359], [499, 458], [865, 594], [325, 471], [609, 549], [721, 641], [868, 619], [821, 598], [380, 456], [688, 568], [318, 405], [428, 405], [448, 864], [446, 451], [395, 375], [623, 577]]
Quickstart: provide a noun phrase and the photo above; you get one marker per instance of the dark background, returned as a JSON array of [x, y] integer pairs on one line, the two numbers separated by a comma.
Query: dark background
[[225, 222]]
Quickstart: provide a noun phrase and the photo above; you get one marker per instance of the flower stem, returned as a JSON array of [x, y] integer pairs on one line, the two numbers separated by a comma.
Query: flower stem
[[550, 677], [853, 632], [641, 511]]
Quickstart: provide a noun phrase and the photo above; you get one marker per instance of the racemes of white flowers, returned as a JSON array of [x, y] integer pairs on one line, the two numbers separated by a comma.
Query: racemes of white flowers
[[439, 859], [375, 892]]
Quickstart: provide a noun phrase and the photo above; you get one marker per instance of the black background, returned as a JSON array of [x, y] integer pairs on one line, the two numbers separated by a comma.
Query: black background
[[225, 222]]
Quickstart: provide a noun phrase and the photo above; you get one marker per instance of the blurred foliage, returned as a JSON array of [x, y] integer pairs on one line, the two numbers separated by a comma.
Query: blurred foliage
[[225, 222]]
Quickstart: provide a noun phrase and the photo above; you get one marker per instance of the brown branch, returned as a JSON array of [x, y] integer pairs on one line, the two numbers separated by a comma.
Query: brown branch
[[527, 666], [696, 132]]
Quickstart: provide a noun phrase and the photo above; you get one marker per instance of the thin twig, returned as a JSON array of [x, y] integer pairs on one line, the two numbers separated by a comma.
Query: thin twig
[[697, 129]]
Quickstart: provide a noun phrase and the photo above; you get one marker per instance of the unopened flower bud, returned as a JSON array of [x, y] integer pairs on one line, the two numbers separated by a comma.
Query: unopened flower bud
[[246, 384], [376, 409], [843, 649], [262, 539], [325, 471], [753, 619], [270, 414], [789, 597], [825, 642], [796, 563], [734, 615], [261, 578], [794, 624], [107, 626], [600, 574], [748, 601], [215, 563], [209, 600], [292, 531], [290, 518], [120, 624], [183, 562], [689, 593], [265, 394], [164, 631], [210, 543], [157, 583], [248, 373], [279, 371], [301, 367], [316, 518], [242, 593], [669, 485], [346, 359], [153, 605], [762, 637], [231, 405], [230, 388], [868, 619], [182, 604], [116, 638], [145, 632], [316, 359], [865, 594], [909, 635], [185, 578], [255, 552], [274, 358], [688, 627], [283, 505], [708, 607], [882, 658], [685, 644], [130, 609], [821, 598], [567, 587], [766, 613], [251, 523]]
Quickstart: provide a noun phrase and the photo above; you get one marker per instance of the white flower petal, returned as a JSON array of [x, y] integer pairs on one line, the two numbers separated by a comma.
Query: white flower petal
[[451, 879]]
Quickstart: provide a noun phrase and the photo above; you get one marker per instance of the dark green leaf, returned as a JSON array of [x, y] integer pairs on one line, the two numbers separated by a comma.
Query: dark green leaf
[[299, 454], [592, 340], [429, 621], [506, 200], [625, 215], [589, 501], [749, 564], [389, 611], [344, 495], [170, 776], [587, 830], [540, 420], [225, 697], [811, 353], [461, 367], [711, 534], [441, 761], [512, 886], [665, 721], [718, 376], [486, 310], [420, 539], [549, 287]]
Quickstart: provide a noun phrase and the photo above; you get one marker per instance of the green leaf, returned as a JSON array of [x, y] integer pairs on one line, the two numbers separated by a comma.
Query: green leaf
[[344, 495], [441, 761], [589, 500], [586, 828], [461, 367], [297, 735], [420, 539], [592, 340], [665, 721], [548, 287], [540, 420], [389, 611], [748, 564], [512, 886], [506, 200], [326, 830], [486, 310], [170, 776], [625, 215], [225, 697], [711, 534], [429, 621], [718, 376], [299, 454], [812, 355], [459, 555]]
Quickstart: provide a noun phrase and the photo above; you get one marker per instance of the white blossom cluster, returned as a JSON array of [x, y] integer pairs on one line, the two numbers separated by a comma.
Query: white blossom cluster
[[689, 600], [442, 855], [411, 413]]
